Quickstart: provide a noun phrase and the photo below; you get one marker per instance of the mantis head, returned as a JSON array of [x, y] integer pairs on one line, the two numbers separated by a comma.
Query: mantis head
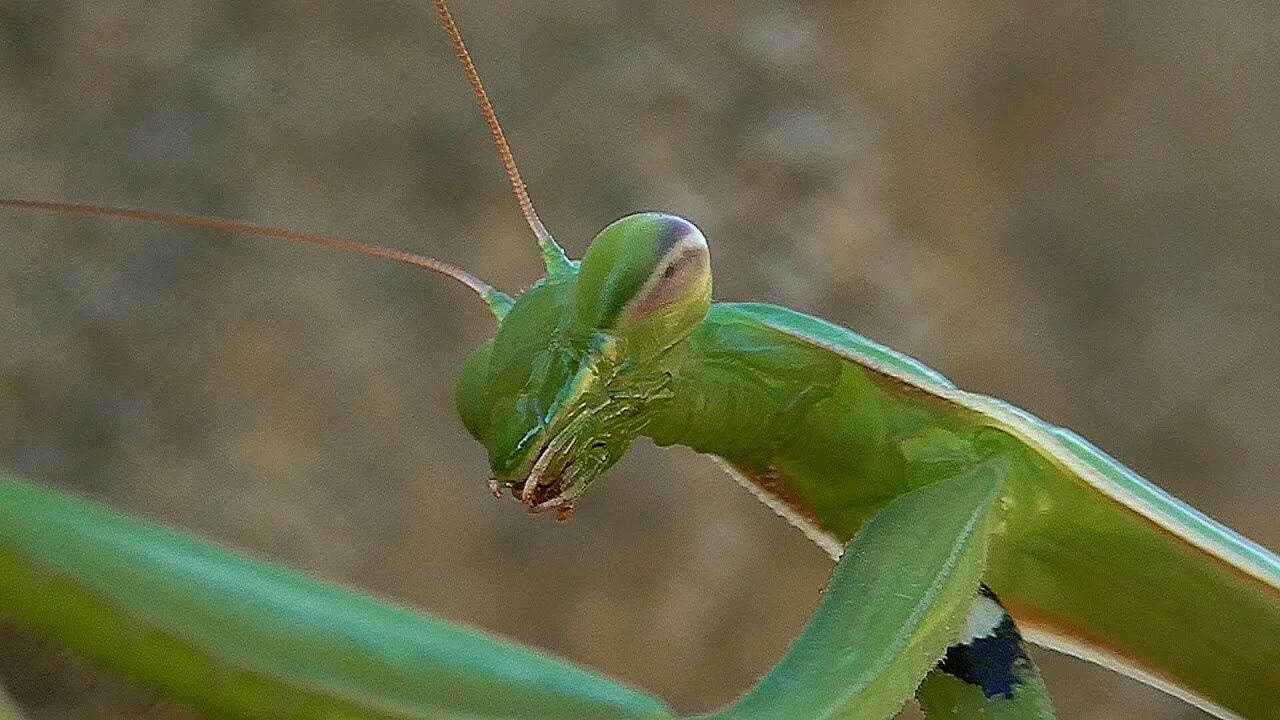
[[584, 358], [581, 363]]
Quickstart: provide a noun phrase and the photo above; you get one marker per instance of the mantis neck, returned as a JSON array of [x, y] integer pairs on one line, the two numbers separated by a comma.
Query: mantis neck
[[775, 406]]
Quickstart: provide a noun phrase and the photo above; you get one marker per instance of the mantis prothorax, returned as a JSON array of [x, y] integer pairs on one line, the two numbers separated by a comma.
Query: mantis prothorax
[[839, 434]]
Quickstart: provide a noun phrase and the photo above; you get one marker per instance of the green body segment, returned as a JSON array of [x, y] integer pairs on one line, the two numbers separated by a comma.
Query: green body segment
[[1101, 564], [241, 638]]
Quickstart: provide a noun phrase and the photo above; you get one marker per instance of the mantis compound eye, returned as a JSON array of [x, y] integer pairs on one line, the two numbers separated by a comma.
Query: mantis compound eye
[[682, 272], [648, 275]]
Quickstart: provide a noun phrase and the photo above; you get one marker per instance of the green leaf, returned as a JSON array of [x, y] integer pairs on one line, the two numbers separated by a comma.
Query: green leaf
[[896, 601], [237, 637]]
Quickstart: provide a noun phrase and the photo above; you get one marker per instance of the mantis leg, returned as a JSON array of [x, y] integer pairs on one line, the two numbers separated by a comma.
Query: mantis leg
[[898, 599], [235, 637], [239, 638]]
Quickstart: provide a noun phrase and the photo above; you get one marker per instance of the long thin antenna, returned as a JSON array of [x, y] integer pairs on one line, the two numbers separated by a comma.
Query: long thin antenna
[[498, 301], [552, 254]]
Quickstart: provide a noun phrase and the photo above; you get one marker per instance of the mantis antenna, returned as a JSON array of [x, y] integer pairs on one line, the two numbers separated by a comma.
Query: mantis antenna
[[552, 254], [498, 301]]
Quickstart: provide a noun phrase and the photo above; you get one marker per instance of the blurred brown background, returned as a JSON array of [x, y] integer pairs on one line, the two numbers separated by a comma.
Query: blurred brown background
[[1072, 208]]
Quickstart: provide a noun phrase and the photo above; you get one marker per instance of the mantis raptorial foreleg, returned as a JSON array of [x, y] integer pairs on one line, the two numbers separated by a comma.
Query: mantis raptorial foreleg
[[240, 638], [899, 597]]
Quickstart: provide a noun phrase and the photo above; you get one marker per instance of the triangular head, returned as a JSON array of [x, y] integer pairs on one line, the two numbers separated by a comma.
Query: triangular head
[[580, 359]]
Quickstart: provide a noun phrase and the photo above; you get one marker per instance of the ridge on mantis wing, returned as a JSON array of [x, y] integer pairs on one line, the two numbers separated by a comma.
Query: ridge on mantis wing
[[937, 450]]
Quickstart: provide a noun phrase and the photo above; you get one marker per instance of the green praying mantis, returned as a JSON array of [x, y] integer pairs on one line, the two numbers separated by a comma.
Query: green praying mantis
[[835, 432]]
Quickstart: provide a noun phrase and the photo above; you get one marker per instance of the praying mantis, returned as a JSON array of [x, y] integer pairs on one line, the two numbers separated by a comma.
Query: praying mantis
[[594, 491]]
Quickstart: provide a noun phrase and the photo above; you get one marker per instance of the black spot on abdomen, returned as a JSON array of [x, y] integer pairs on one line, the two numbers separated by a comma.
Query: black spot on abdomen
[[989, 662]]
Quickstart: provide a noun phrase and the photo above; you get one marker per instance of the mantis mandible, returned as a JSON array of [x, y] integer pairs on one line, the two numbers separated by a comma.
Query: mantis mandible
[[544, 501]]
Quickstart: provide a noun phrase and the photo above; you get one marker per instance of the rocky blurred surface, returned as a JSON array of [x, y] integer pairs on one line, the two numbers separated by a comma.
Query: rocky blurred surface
[[1070, 207]]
